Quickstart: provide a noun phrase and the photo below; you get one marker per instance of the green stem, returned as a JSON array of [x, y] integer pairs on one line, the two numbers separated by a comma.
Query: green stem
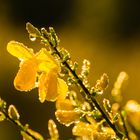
[[17, 123], [89, 98], [93, 101], [124, 126]]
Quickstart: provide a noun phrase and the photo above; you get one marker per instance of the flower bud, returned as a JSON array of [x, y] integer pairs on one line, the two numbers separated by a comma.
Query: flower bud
[[33, 31], [67, 117], [13, 113], [102, 83], [53, 129]]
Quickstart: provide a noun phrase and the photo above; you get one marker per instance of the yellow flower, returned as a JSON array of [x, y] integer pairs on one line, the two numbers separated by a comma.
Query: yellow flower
[[38, 70], [67, 117], [66, 112], [132, 109], [84, 129], [65, 104], [53, 130], [91, 131]]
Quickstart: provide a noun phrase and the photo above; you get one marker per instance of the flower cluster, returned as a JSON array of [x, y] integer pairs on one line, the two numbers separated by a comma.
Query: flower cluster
[[37, 70], [55, 75]]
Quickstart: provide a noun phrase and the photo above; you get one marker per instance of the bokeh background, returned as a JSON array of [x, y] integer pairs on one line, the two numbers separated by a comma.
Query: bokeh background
[[105, 32]]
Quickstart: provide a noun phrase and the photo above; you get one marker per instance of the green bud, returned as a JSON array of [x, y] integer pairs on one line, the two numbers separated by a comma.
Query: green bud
[[13, 113], [53, 130], [107, 105], [33, 31], [75, 66], [102, 83], [115, 117]]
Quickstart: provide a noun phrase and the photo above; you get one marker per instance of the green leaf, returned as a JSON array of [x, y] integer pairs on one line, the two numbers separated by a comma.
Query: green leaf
[[107, 105], [115, 117], [33, 31]]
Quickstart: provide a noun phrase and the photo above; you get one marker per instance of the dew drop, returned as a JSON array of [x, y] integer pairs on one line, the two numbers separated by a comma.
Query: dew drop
[[32, 38]]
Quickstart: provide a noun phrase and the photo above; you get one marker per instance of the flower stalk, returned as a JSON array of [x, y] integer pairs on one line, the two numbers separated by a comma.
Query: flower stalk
[[53, 73], [93, 102], [18, 123]]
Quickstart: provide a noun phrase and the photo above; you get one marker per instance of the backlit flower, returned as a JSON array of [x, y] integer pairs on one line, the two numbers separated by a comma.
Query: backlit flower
[[37, 70], [66, 113], [92, 132]]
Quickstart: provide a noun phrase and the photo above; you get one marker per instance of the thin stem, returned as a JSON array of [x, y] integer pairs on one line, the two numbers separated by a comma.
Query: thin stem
[[89, 98], [124, 126], [93, 100], [18, 124]]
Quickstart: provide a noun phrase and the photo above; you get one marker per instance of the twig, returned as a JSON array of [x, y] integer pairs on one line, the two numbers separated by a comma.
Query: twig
[[18, 124], [124, 126], [89, 98]]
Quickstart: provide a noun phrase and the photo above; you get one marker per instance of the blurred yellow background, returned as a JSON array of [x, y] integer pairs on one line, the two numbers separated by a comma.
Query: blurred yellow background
[[105, 32]]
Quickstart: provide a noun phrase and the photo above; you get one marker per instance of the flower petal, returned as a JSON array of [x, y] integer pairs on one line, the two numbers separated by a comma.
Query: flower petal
[[19, 50], [45, 60], [62, 89], [67, 117], [48, 86], [64, 104], [53, 130], [83, 129], [45, 66], [42, 87], [26, 76], [44, 55]]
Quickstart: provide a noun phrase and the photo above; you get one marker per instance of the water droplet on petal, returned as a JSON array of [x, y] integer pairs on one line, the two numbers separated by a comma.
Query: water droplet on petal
[[32, 38]]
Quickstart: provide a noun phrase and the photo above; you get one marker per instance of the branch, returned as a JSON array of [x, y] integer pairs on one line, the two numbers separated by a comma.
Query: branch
[[93, 102]]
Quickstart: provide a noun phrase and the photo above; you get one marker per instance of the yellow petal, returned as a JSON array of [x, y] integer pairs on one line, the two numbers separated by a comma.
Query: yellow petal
[[44, 55], [62, 89], [64, 104], [45, 66], [26, 76], [52, 86], [53, 130], [101, 136], [83, 129], [42, 87], [67, 117], [45, 60], [19, 50], [108, 130], [48, 86]]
